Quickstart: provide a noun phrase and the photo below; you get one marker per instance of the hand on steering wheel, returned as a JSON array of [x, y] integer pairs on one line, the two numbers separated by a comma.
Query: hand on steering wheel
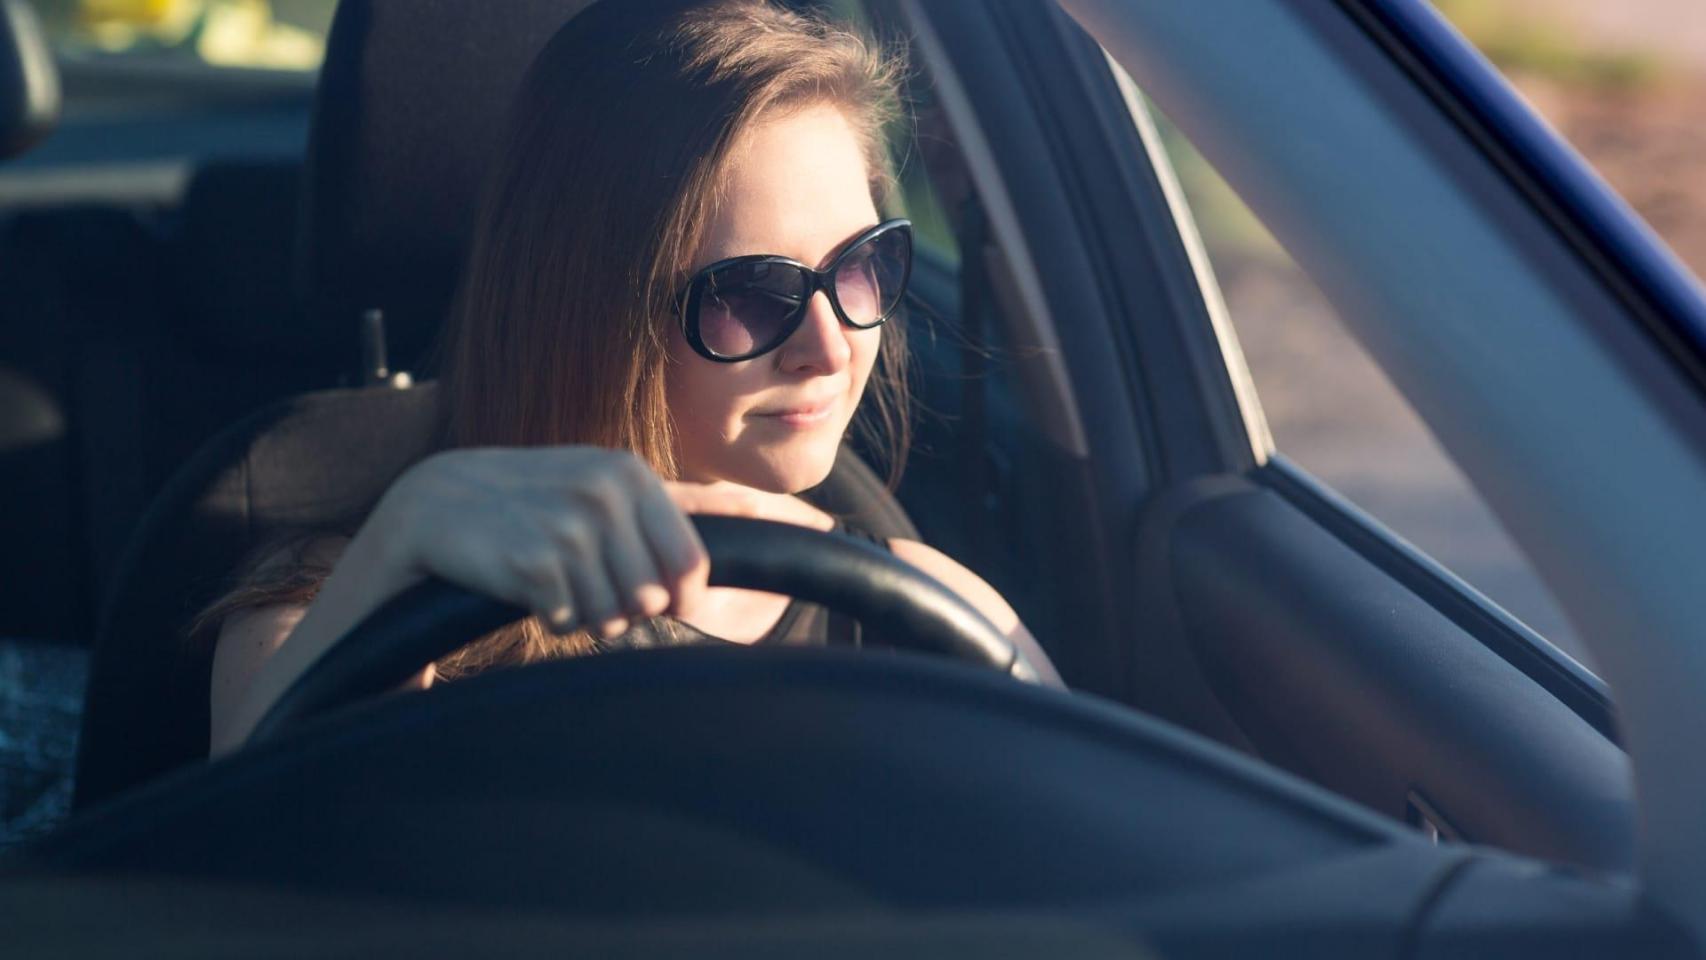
[[577, 536], [895, 600]]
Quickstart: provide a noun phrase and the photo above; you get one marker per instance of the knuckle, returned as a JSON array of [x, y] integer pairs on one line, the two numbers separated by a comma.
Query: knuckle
[[611, 493], [535, 567], [603, 493], [573, 530]]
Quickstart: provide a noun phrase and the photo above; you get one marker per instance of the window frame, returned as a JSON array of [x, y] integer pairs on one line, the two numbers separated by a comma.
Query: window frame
[[1479, 615]]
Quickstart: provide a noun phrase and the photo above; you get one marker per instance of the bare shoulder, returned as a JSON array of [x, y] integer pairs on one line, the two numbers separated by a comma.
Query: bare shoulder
[[964, 582], [981, 595], [318, 555], [250, 634]]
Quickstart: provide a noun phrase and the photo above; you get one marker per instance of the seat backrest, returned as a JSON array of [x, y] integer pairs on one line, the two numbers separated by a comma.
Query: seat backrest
[[413, 96], [70, 392], [129, 337], [301, 464]]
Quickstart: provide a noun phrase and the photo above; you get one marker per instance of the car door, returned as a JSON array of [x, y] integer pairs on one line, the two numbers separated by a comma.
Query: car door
[[1177, 561]]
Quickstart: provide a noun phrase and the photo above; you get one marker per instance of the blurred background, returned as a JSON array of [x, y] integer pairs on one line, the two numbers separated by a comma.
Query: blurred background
[[1625, 83], [255, 34]]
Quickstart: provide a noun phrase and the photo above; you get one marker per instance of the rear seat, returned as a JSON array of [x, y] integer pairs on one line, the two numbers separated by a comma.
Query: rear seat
[[127, 338], [234, 341], [76, 300], [125, 341], [76, 304]]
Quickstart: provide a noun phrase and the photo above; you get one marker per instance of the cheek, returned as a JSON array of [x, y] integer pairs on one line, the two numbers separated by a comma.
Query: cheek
[[685, 382], [866, 344], [703, 396]]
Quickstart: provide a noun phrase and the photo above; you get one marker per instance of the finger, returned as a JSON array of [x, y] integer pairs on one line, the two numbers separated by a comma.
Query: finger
[[722, 499], [687, 497], [633, 571], [583, 561], [534, 578], [675, 544], [663, 519]]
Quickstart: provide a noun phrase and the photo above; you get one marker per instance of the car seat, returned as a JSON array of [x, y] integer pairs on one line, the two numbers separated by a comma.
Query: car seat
[[410, 98]]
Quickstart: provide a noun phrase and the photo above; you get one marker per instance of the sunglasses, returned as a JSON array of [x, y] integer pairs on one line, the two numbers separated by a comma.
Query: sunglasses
[[745, 307]]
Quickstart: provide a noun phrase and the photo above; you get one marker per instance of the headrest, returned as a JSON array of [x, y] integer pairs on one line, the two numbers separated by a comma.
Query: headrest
[[411, 102], [29, 82]]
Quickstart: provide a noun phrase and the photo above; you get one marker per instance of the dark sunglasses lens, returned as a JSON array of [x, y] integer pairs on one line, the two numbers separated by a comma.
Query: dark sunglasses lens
[[747, 307], [872, 276]]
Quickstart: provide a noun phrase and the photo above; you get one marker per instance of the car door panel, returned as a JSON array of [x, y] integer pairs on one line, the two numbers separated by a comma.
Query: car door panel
[[1305, 652]]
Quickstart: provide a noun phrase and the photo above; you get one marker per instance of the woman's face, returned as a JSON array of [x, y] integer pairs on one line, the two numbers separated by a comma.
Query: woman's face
[[796, 186]]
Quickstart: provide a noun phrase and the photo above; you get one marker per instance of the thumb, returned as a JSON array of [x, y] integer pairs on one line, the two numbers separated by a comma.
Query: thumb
[[722, 498]]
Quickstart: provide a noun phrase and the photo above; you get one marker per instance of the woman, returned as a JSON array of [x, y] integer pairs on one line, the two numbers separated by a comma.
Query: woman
[[676, 297]]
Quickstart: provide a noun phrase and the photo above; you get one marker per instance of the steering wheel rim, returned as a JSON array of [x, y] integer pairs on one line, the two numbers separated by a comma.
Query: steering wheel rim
[[890, 596]]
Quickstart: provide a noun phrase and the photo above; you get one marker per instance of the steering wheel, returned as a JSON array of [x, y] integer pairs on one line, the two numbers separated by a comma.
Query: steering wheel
[[894, 599]]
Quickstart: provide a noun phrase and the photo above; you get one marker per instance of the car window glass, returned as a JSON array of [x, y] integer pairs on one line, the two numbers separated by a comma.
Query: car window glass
[[1332, 410], [1624, 83], [284, 35], [913, 195]]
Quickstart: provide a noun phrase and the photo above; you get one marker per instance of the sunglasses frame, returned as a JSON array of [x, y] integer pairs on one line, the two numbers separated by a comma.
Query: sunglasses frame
[[687, 302]]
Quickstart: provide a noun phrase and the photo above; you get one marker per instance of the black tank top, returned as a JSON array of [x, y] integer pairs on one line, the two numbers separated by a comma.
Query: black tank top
[[802, 624]]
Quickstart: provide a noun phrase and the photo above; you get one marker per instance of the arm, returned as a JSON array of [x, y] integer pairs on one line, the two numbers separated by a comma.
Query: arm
[[249, 638], [576, 535]]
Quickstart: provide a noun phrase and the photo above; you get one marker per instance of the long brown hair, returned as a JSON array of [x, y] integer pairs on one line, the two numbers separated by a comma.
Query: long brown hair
[[600, 195]]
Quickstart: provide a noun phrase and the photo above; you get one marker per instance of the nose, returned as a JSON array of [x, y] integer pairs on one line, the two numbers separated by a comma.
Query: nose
[[820, 344]]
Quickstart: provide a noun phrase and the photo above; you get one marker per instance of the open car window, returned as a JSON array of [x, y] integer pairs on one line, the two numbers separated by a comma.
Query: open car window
[[1332, 410]]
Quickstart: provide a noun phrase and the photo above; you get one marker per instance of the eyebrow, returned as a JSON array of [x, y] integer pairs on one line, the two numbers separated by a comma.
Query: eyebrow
[[829, 258], [841, 247]]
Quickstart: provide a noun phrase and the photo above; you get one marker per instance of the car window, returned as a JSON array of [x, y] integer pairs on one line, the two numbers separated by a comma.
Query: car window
[[1624, 83], [283, 35], [913, 196], [1332, 411]]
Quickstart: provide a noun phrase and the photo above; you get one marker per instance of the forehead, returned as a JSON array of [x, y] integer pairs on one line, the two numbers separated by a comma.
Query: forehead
[[795, 185]]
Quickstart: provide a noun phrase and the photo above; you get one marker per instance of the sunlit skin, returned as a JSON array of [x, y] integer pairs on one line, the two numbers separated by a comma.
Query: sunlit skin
[[796, 186]]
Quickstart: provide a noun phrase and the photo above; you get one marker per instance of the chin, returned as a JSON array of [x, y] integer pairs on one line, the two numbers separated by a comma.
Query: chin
[[788, 468]]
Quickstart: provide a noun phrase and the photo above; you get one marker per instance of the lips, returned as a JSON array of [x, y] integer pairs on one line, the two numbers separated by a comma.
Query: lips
[[807, 412]]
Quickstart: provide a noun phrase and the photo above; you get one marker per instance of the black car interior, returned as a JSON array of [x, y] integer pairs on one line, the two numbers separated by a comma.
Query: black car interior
[[211, 369], [29, 82], [392, 179]]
